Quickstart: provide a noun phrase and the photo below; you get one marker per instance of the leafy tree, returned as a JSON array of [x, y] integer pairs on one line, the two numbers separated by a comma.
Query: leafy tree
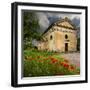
[[31, 25]]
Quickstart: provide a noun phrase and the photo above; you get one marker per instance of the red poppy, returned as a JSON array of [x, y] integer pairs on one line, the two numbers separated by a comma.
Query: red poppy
[[66, 65], [54, 60], [71, 68]]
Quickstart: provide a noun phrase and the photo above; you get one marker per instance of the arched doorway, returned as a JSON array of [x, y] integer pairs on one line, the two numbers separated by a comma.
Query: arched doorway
[[66, 47]]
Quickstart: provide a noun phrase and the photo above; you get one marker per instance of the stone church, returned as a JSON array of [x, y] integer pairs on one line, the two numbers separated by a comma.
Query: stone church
[[60, 37]]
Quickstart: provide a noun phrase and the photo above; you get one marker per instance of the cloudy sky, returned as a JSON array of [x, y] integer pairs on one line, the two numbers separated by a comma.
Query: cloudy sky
[[47, 18]]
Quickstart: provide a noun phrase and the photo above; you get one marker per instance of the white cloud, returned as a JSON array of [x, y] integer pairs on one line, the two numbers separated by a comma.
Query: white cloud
[[43, 20]]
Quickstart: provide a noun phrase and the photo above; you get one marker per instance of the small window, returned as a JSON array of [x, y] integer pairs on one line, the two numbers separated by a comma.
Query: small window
[[66, 36], [51, 37]]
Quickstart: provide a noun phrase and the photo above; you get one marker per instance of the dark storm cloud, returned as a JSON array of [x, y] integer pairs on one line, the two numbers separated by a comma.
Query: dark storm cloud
[[46, 18]]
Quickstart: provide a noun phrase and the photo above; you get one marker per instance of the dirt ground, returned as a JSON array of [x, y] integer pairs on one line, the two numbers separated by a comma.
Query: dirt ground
[[73, 58]]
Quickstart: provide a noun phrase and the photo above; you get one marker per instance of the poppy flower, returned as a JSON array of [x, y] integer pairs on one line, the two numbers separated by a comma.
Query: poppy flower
[[54, 60], [71, 68], [64, 64]]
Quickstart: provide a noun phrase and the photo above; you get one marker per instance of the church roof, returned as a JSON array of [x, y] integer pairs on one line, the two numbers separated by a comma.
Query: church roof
[[66, 23]]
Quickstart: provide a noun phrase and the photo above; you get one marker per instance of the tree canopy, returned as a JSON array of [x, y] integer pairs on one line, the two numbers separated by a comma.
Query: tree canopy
[[31, 25]]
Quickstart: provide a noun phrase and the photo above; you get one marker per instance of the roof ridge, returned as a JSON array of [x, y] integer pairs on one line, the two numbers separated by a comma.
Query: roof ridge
[[60, 21]]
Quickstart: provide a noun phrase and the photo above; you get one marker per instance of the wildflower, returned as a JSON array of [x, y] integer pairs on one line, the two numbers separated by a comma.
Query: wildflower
[[54, 60], [64, 64], [71, 68]]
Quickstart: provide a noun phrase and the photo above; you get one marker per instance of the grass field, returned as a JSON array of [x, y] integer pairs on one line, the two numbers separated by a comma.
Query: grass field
[[43, 63]]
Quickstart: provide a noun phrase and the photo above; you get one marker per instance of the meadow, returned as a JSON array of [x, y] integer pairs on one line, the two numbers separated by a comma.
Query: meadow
[[44, 63]]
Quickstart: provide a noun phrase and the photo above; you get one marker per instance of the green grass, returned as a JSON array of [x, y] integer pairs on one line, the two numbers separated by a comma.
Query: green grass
[[43, 63]]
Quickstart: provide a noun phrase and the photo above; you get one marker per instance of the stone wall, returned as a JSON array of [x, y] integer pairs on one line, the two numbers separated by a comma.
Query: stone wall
[[56, 40], [60, 40]]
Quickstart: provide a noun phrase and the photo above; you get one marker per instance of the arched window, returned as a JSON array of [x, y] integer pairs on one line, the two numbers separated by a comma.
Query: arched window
[[66, 36], [51, 37]]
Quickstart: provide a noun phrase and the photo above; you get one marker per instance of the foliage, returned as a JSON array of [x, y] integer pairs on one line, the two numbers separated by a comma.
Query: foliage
[[30, 27], [43, 63]]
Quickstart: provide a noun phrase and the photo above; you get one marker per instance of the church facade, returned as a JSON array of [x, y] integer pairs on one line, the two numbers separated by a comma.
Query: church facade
[[59, 37]]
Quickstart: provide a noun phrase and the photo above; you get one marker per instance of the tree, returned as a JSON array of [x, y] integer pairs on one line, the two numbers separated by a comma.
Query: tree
[[31, 25]]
